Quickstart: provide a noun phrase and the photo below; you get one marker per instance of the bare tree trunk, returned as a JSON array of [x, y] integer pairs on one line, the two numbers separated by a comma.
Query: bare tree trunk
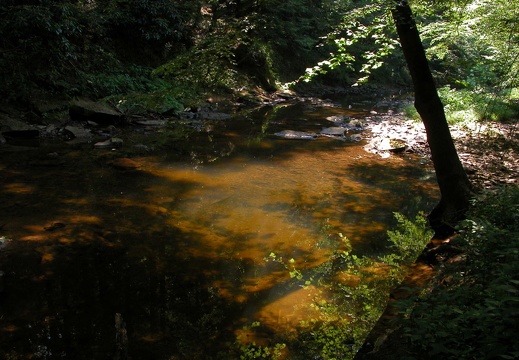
[[455, 187]]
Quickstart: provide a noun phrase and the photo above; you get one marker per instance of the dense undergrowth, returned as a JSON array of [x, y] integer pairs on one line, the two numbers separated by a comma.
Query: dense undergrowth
[[472, 309], [469, 106]]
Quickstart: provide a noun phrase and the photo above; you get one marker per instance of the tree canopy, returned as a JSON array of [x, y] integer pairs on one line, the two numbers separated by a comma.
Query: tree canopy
[[105, 46]]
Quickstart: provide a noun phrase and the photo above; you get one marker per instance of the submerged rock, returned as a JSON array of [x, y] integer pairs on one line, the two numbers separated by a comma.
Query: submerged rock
[[293, 134]]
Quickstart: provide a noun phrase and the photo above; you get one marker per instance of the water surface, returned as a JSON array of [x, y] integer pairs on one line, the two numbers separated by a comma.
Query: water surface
[[221, 243]]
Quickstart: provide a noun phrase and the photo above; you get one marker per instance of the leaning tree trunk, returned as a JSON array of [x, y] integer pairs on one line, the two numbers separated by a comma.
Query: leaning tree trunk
[[455, 188]]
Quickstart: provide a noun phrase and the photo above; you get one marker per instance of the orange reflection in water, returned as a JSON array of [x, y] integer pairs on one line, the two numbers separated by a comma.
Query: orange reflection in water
[[295, 206], [165, 232], [18, 188]]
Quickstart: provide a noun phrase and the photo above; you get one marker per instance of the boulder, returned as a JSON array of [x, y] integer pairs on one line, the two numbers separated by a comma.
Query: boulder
[[100, 113]]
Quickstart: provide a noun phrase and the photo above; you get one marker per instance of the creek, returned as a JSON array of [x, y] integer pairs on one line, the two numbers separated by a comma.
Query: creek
[[223, 242]]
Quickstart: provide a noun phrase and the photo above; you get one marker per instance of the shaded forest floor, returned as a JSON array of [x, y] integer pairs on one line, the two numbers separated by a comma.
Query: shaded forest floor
[[490, 154]]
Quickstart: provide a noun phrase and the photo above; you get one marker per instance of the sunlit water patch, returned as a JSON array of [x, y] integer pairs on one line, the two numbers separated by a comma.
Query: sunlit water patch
[[246, 245]]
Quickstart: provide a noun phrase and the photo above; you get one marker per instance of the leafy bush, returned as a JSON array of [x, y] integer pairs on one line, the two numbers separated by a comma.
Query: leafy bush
[[209, 65], [410, 112], [158, 102], [474, 310], [40, 44], [471, 106], [408, 239]]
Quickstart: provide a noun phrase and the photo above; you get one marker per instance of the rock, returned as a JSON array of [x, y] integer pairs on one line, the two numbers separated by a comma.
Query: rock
[[125, 164], [107, 144], [390, 144], [100, 113], [356, 137], [54, 226], [112, 143], [355, 123], [150, 122], [142, 147], [7, 123], [333, 131], [209, 115], [117, 142], [3, 240], [292, 134], [397, 145], [79, 132], [336, 118]]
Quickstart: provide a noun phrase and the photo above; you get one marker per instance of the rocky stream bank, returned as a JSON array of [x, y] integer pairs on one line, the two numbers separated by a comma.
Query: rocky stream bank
[[489, 151]]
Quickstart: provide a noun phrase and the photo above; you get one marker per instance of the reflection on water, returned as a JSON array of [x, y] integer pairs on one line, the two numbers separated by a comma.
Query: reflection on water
[[243, 249]]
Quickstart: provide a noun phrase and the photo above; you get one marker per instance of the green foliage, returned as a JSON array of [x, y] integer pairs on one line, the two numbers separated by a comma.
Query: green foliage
[[170, 137], [345, 312], [117, 81], [40, 44], [209, 65], [158, 102], [144, 32], [87, 48], [363, 39], [473, 45], [410, 112], [408, 239], [475, 315], [327, 341], [470, 106], [250, 350]]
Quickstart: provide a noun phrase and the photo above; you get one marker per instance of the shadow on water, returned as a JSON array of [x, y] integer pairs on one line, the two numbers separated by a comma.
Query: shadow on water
[[191, 252]]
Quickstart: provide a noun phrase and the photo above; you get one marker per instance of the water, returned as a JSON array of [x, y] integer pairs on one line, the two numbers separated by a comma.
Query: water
[[226, 242]]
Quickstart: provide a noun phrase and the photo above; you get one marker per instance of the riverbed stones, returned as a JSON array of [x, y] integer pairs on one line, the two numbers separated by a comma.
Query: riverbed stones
[[394, 134], [98, 112]]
